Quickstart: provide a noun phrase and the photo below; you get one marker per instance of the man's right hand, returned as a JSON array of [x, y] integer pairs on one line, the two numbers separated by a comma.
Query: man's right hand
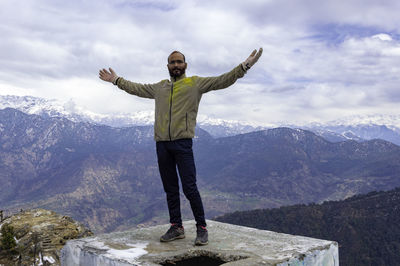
[[108, 76]]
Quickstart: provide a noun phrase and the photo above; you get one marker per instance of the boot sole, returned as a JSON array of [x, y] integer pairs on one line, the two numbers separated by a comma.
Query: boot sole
[[172, 239], [201, 243]]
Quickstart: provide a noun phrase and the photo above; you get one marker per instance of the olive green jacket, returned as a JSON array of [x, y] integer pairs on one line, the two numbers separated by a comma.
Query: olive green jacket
[[177, 101]]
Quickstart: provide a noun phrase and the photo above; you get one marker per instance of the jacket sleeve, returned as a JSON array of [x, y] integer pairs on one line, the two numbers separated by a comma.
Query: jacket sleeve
[[138, 89], [206, 84]]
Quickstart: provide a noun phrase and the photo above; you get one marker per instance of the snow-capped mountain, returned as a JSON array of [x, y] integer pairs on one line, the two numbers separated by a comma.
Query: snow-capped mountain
[[360, 127], [357, 127], [390, 121], [73, 112], [223, 128]]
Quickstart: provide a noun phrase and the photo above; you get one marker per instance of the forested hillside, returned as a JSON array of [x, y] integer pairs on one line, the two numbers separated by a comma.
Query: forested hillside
[[365, 226]]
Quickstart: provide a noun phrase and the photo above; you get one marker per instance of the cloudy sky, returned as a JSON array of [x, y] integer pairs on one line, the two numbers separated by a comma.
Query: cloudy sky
[[322, 60]]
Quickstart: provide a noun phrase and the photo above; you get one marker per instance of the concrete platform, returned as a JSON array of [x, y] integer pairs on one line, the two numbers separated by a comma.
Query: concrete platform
[[229, 245]]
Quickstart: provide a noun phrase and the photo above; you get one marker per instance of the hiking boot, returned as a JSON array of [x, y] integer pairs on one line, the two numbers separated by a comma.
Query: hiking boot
[[202, 236], [174, 232]]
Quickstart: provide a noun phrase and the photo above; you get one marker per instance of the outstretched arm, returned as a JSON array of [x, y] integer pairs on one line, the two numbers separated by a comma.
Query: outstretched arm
[[227, 79], [138, 89]]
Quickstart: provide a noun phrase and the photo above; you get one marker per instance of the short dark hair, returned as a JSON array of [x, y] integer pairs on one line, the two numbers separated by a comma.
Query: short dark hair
[[176, 52]]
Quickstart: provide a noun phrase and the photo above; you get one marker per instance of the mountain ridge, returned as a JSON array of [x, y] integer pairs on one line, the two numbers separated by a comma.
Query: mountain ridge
[[358, 128]]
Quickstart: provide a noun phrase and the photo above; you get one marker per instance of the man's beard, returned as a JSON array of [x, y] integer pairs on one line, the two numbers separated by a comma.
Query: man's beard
[[176, 74]]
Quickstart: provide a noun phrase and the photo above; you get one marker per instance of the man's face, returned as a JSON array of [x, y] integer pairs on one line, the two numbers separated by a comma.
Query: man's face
[[176, 65]]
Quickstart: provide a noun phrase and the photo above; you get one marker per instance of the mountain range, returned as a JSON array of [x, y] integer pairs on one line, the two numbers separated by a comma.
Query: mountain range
[[355, 127], [108, 178]]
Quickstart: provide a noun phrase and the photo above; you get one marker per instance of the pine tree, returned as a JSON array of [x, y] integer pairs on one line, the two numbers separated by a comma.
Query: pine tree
[[7, 239]]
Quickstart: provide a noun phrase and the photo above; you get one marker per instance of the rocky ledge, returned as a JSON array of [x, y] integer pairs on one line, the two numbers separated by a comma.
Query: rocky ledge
[[38, 237]]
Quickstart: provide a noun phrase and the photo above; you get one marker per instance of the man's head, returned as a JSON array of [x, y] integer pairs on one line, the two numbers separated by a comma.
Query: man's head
[[176, 64]]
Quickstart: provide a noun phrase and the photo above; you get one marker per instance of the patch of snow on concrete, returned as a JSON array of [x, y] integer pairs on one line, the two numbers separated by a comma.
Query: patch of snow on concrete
[[131, 254], [136, 251]]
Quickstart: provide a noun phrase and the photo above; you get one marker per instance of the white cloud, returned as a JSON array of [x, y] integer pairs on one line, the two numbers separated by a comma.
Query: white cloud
[[382, 37]]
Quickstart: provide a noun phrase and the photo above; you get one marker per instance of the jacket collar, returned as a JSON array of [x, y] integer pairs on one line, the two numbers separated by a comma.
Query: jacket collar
[[178, 78]]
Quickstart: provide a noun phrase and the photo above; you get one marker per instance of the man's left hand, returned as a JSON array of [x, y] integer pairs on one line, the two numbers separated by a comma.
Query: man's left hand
[[252, 59]]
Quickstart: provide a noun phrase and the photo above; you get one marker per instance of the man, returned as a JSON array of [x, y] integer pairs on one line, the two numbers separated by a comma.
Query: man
[[176, 105]]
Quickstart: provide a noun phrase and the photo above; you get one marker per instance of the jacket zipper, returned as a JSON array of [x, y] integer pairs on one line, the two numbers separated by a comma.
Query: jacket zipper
[[186, 122], [170, 112]]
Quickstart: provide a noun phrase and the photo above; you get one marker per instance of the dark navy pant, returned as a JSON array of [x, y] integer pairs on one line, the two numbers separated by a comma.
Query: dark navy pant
[[173, 154]]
